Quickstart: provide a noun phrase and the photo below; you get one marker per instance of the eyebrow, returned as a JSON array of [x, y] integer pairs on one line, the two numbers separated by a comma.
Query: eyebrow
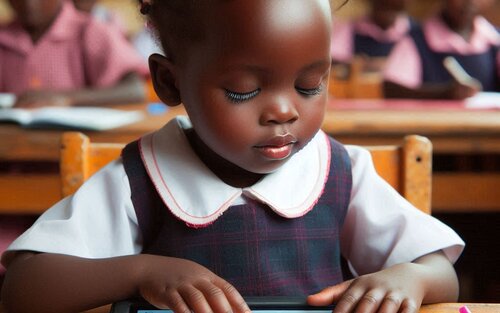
[[315, 65], [258, 69]]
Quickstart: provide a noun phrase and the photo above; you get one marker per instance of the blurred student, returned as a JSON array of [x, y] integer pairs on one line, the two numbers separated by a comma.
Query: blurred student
[[53, 54], [415, 67], [373, 35]]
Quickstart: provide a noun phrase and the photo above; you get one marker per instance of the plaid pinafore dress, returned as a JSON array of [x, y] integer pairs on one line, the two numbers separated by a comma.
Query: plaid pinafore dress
[[252, 247]]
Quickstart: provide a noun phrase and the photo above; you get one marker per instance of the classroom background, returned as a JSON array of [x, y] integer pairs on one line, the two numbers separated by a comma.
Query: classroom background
[[127, 10], [478, 268]]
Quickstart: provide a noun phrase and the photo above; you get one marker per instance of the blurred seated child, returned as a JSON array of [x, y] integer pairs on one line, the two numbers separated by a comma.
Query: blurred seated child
[[53, 54], [372, 36], [415, 67]]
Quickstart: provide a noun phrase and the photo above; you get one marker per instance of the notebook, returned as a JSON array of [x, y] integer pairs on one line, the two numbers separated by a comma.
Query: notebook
[[90, 118], [256, 304]]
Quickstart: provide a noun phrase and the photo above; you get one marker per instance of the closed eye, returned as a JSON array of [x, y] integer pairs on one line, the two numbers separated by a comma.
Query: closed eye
[[310, 91], [238, 97]]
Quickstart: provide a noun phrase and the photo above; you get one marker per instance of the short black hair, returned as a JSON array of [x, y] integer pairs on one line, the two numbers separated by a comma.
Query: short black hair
[[176, 23]]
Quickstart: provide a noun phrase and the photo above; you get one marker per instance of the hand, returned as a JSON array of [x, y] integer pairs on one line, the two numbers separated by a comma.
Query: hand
[[461, 91], [186, 286], [36, 99], [395, 289]]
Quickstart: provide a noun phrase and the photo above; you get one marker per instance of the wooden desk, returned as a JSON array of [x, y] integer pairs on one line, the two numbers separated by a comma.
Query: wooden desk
[[451, 128], [32, 193]]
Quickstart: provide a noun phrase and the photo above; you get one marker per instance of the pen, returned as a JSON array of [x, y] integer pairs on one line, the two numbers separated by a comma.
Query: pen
[[459, 74], [464, 309]]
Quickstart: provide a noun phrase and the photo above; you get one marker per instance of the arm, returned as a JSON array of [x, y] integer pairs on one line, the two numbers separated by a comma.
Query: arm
[[399, 288], [130, 89], [62, 283]]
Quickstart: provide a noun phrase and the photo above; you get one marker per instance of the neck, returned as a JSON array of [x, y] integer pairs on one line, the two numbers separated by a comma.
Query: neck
[[228, 172], [36, 32], [384, 19], [462, 27]]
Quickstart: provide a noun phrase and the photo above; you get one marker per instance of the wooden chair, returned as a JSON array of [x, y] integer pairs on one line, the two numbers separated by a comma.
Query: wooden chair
[[407, 167]]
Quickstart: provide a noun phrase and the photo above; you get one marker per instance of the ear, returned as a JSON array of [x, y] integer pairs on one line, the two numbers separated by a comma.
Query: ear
[[164, 79]]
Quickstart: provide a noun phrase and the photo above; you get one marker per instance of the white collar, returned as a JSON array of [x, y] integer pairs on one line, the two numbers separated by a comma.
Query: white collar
[[198, 197]]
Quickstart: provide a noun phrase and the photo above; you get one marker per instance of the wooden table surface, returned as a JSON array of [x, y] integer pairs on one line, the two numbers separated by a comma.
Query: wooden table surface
[[450, 127], [448, 124]]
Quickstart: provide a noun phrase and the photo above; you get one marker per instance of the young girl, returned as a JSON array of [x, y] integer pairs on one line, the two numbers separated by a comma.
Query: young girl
[[415, 67], [53, 54], [246, 197]]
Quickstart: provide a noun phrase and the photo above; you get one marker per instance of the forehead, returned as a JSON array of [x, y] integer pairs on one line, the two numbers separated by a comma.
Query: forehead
[[239, 25]]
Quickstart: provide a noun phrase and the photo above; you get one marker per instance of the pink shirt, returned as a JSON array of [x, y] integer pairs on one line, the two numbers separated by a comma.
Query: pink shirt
[[404, 64], [342, 46], [76, 51]]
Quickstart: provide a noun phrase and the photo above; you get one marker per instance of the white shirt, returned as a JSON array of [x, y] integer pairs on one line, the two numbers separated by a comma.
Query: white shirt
[[381, 228]]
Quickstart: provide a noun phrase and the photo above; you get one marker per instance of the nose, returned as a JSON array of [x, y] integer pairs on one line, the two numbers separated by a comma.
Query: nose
[[280, 110]]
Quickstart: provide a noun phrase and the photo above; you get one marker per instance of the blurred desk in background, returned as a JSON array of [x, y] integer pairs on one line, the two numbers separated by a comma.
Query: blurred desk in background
[[453, 130], [33, 191]]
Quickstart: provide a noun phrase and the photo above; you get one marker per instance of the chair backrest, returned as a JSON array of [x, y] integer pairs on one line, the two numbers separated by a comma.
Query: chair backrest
[[407, 167]]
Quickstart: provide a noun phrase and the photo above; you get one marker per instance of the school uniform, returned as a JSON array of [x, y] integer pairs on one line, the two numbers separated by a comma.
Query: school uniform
[[289, 224], [418, 58], [363, 37], [76, 51]]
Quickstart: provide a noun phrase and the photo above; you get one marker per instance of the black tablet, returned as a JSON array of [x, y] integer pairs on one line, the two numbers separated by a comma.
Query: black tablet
[[256, 304]]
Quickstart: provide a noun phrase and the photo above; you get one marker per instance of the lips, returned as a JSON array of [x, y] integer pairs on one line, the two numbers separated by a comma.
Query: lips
[[278, 147]]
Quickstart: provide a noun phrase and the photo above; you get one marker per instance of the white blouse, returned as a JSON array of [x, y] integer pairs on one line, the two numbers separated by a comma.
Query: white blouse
[[381, 228]]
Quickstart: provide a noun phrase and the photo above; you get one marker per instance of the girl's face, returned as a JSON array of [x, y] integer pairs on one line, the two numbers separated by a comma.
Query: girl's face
[[391, 5], [36, 14], [255, 88], [460, 13], [84, 5]]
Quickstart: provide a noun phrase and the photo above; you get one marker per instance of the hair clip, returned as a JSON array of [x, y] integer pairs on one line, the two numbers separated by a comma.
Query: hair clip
[[145, 7]]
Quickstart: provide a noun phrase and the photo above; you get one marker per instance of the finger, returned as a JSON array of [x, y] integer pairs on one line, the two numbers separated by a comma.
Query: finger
[[328, 295], [349, 300], [233, 296], [214, 296], [370, 301], [173, 301], [195, 299], [409, 306], [390, 304]]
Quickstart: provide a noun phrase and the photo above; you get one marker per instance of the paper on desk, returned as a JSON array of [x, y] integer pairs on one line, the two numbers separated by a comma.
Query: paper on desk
[[7, 100], [91, 118], [484, 100]]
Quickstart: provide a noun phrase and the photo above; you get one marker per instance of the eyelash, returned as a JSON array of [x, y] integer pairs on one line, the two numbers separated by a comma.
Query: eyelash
[[238, 97], [310, 92]]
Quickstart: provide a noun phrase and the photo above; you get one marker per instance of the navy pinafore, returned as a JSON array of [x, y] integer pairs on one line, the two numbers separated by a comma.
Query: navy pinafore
[[481, 66], [256, 250]]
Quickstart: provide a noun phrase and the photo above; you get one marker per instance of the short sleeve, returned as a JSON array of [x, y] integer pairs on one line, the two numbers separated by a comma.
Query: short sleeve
[[98, 221], [382, 229], [403, 65], [108, 55]]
